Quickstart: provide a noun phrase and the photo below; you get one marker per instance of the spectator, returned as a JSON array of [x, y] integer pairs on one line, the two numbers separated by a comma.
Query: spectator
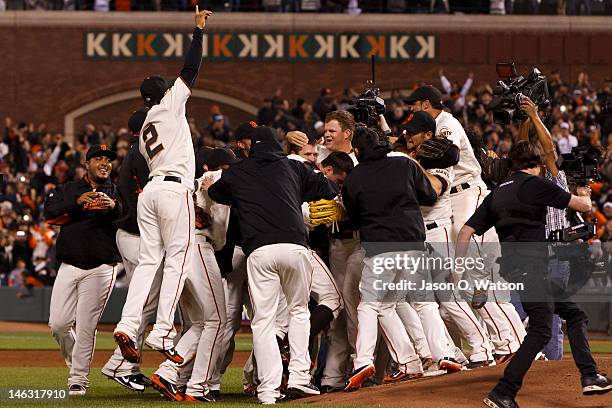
[[565, 141]]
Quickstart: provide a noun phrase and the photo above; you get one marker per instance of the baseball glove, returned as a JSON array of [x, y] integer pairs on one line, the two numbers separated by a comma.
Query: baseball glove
[[433, 149], [98, 204], [325, 212]]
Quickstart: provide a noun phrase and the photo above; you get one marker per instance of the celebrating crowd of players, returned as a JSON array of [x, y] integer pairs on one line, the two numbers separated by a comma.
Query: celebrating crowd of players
[[294, 239]]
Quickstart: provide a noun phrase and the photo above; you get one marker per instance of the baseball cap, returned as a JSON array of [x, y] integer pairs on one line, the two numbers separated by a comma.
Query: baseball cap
[[426, 93], [153, 88], [419, 122], [263, 135], [565, 125], [100, 150], [217, 118], [607, 205], [244, 130], [137, 119], [201, 157]]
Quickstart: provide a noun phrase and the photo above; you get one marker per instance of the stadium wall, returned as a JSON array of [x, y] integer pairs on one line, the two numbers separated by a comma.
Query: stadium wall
[[66, 69]]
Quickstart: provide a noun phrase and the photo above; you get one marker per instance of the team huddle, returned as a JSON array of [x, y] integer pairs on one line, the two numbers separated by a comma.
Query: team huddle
[[285, 236]]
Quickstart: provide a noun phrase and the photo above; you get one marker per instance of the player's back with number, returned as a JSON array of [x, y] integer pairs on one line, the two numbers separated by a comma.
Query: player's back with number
[[165, 140]]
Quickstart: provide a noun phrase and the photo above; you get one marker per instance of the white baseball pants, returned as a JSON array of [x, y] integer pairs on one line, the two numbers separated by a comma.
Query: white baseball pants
[[273, 269], [129, 245], [77, 302], [166, 223]]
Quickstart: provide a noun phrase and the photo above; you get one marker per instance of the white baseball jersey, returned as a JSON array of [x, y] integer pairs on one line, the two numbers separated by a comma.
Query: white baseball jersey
[[219, 214], [324, 152], [442, 208], [165, 138], [468, 169]]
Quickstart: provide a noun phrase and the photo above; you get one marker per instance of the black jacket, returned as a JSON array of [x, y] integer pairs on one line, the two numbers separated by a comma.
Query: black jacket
[[87, 238], [133, 176], [268, 189], [382, 196]]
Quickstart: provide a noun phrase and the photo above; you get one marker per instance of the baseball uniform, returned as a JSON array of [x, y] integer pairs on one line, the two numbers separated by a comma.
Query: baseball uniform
[[165, 208]]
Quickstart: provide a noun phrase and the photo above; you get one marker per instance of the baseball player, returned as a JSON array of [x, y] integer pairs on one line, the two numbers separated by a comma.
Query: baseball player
[[133, 176], [345, 257], [466, 194], [268, 189], [368, 205], [86, 248], [165, 207], [205, 303], [438, 156]]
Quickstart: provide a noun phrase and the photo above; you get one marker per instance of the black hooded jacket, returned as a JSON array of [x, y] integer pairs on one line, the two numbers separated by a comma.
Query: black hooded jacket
[[382, 196], [268, 189]]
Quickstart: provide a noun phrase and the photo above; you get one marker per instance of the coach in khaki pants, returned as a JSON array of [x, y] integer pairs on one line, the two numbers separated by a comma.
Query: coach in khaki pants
[[87, 250], [267, 190]]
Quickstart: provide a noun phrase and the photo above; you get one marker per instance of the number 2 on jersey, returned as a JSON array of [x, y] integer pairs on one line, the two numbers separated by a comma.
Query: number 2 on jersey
[[149, 136]]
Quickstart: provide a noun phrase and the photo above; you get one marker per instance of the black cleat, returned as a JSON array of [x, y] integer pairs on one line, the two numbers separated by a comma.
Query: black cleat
[[478, 364], [328, 389], [215, 394], [134, 382], [597, 385], [302, 391], [203, 398], [494, 400]]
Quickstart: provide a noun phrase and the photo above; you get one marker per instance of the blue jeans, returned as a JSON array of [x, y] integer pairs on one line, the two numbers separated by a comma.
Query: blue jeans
[[559, 274]]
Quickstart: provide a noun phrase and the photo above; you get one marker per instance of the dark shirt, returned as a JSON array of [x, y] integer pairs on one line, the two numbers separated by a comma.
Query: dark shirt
[[267, 190], [527, 195], [387, 211], [133, 176], [87, 237]]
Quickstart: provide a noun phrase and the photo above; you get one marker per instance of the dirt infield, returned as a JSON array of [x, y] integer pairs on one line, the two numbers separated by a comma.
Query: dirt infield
[[548, 384], [53, 358]]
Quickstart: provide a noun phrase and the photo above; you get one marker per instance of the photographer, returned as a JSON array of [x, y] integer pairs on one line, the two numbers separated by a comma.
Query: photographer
[[555, 218], [517, 210]]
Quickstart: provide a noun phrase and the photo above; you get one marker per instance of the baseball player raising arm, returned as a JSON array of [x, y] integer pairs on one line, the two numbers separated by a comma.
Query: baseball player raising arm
[[165, 207]]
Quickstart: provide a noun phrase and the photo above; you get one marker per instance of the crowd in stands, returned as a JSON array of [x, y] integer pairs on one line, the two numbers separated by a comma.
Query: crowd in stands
[[34, 159], [563, 7]]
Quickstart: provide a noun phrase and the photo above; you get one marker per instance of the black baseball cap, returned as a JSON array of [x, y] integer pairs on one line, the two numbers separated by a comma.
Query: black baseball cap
[[100, 150], [426, 93], [137, 119], [153, 88], [244, 130], [418, 122]]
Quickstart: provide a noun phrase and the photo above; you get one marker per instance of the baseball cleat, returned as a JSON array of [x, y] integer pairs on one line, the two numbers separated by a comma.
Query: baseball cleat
[[250, 390], [478, 364], [398, 376], [166, 388], [128, 348], [172, 355], [280, 398], [202, 398], [450, 365], [215, 394], [426, 362], [600, 384], [77, 390], [358, 377], [302, 391], [328, 389], [502, 358], [494, 400], [134, 382]]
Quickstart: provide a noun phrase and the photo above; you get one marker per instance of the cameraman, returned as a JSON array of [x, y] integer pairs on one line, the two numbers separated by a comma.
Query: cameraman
[[559, 270], [517, 210]]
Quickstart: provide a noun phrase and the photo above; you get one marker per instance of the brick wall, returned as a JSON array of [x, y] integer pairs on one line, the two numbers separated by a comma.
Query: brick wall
[[45, 74]]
